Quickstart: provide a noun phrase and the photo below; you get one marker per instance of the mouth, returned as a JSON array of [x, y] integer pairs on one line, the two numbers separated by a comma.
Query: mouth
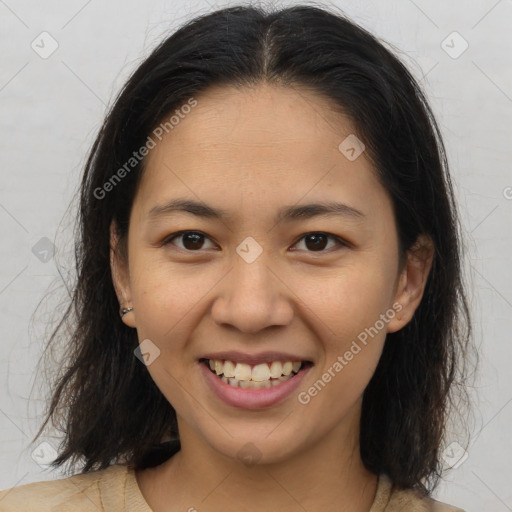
[[255, 376]]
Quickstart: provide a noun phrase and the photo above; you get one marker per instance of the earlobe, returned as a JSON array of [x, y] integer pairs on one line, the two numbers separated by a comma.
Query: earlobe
[[120, 277], [412, 281]]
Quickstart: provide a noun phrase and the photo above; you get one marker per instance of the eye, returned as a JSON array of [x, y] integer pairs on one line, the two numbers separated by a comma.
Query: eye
[[313, 242], [191, 240], [317, 241]]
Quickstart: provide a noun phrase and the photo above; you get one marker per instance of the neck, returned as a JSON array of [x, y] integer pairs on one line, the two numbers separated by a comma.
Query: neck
[[327, 476]]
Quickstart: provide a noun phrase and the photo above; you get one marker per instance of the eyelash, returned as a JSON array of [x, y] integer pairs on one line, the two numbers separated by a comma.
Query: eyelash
[[337, 239]]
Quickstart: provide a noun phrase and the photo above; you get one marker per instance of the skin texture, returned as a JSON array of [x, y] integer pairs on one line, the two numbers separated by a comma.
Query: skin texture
[[252, 151]]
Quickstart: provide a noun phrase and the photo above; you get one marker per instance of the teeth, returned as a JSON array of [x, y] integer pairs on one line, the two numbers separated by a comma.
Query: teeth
[[260, 372], [276, 369], [287, 368], [242, 371], [229, 369], [250, 384], [263, 375]]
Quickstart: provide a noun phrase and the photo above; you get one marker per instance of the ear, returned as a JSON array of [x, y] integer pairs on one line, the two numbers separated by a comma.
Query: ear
[[120, 276], [412, 281]]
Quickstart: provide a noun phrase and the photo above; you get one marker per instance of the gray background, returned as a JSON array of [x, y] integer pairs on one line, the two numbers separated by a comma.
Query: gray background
[[52, 107]]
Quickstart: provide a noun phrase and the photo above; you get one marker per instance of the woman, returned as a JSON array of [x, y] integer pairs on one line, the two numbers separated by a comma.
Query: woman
[[270, 312]]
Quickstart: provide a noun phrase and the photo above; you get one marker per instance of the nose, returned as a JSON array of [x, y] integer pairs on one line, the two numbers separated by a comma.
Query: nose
[[252, 297]]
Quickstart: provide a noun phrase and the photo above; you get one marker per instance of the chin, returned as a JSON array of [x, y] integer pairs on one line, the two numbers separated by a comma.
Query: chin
[[256, 449]]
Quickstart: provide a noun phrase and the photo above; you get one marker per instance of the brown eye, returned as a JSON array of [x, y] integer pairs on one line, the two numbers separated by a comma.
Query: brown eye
[[195, 240], [317, 242], [191, 240]]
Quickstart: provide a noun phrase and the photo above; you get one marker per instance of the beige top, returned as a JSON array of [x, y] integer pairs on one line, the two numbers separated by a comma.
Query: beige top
[[115, 489]]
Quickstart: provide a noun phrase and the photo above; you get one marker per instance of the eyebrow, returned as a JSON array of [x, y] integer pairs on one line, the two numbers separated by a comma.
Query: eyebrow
[[287, 213]]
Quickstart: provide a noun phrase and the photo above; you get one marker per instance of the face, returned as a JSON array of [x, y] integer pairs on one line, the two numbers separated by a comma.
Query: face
[[254, 270]]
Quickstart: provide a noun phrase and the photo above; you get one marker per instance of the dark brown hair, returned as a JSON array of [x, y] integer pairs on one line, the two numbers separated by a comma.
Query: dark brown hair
[[105, 401]]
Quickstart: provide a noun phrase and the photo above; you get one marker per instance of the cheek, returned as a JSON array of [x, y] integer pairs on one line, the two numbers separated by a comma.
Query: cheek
[[164, 293], [351, 299], [167, 312], [352, 335], [340, 384]]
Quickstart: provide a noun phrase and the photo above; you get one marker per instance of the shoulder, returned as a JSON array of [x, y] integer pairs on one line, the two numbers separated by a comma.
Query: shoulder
[[82, 492], [391, 499], [410, 501]]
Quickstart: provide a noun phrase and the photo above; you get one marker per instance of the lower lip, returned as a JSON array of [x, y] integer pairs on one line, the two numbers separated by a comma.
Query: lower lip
[[252, 398]]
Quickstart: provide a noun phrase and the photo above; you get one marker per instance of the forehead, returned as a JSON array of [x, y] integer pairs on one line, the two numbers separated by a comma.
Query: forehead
[[264, 142], [230, 119]]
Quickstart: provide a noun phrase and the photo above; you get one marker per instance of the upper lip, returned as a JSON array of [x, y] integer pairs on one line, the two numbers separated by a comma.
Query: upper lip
[[261, 357]]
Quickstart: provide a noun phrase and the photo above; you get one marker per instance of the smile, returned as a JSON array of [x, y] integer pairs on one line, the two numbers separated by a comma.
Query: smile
[[253, 386], [257, 376]]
